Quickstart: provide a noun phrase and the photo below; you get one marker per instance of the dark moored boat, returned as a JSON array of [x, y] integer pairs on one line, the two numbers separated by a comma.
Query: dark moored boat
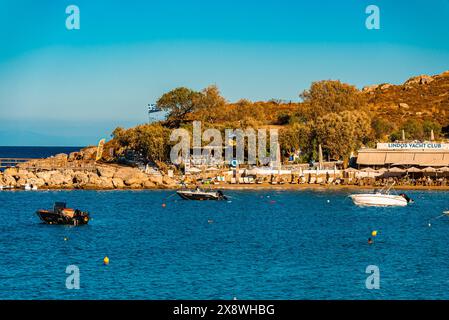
[[63, 215], [198, 194]]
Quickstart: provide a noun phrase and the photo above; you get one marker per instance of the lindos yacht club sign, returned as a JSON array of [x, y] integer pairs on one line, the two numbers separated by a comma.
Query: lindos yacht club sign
[[413, 146]]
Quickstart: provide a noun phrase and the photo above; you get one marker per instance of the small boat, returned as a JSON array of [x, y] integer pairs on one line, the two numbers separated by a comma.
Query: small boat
[[63, 215], [29, 187], [381, 198], [199, 194]]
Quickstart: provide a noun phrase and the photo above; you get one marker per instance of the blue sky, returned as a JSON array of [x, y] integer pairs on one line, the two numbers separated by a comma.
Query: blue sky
[[61, 87]]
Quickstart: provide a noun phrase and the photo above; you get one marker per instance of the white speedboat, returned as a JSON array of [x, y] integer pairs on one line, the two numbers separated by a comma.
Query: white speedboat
[[381, 198]]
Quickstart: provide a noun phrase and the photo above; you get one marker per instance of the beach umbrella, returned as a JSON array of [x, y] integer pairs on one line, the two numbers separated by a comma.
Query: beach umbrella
[[369, 171], [443, 170], [351, 170], [430, 170], [212, 169], [413, 170], [382, 171], [194, 170], [396, 170]]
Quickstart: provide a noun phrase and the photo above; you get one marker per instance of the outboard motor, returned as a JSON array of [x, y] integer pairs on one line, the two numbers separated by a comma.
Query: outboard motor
[[221, 195], [406, 197]]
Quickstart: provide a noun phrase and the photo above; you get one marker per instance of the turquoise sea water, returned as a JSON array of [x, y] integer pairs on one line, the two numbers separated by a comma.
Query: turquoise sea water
[[261, 245]]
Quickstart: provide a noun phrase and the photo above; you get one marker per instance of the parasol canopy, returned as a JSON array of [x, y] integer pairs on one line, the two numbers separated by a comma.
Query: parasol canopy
[[396, 169]]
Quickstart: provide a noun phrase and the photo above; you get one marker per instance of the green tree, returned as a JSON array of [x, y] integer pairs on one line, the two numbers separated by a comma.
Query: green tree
[[179, 102], [341, 133], [361, 126], [209, 104], [150, 140], [331, 96], [381, 128], [298, 136], [428, 126], [124, 137], [335, 135], [413, 129]]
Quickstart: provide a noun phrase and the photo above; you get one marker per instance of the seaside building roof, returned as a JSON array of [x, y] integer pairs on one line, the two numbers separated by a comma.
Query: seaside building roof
[[409, 157]]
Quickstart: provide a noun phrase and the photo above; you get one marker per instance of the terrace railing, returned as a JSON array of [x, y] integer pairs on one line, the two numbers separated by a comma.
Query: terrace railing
[[55, 164], [12, 162]]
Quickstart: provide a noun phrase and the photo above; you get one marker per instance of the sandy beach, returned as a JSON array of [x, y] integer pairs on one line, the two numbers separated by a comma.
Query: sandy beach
[[320, 187]]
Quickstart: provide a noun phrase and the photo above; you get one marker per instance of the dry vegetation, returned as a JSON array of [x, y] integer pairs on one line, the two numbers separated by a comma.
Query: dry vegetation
[[331, 113]]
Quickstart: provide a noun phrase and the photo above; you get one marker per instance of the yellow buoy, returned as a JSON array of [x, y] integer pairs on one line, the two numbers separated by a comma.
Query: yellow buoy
[[374, 233], [106, 260]]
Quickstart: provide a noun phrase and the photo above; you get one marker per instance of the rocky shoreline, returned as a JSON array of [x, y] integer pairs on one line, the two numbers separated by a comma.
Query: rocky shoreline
[[106, 177], [79, 171]]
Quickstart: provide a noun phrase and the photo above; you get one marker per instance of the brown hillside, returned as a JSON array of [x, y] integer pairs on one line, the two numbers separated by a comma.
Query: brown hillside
[[422, 98]]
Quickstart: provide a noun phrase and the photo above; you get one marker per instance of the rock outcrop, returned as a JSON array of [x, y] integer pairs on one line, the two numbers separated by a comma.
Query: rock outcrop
[[372, 88], [74, 171], [403, 105], [422, 79]]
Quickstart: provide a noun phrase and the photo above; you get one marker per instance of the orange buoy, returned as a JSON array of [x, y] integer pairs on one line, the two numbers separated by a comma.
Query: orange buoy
[[164, 205]]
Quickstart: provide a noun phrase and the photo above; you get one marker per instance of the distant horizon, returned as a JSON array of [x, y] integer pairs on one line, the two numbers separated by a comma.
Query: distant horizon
[[42, 146]]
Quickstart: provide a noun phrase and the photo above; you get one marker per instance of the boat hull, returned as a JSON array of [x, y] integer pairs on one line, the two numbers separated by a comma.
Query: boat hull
[[50, 217], [192, 195], [378, 200]]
